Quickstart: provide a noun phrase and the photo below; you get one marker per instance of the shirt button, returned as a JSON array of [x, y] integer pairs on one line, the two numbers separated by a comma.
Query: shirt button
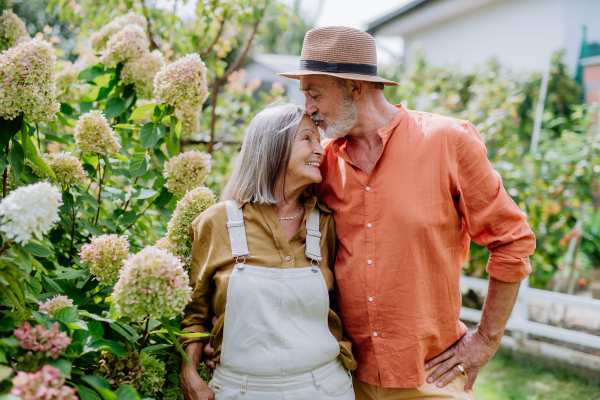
[[288, 258], [369, 262], [375, 334], [368, 188], [369, 225], [370, 299]]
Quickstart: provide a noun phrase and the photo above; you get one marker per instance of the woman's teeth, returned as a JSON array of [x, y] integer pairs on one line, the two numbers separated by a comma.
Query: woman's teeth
[[313, 164]]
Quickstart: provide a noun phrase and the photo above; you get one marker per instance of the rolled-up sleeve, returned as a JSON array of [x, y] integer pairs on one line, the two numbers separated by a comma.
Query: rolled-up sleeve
[[197, 313], [491, 217]]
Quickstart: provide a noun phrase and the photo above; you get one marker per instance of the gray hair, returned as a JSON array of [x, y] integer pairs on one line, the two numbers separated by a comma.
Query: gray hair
[[265, 154]]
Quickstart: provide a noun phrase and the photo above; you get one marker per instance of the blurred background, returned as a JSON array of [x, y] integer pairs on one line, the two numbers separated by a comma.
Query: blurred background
[[526, 73]]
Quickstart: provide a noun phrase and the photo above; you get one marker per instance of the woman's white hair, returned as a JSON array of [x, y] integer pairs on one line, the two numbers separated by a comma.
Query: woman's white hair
[[265, 154]]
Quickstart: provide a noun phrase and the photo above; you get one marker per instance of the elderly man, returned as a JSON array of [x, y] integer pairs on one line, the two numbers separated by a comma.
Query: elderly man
[[408, 191]]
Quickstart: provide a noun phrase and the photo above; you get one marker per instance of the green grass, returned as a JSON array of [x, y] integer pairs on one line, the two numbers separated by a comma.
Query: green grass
[[505, 378]]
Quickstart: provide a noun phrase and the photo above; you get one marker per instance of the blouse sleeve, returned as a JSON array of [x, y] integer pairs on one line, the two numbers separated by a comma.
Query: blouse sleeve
[[197, 313]]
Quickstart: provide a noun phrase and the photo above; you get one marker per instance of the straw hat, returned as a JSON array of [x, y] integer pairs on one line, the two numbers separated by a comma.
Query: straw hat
[[339, 51]]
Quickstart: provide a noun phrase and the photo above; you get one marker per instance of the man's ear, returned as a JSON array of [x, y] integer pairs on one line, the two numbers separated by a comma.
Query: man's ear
[[357, 89]]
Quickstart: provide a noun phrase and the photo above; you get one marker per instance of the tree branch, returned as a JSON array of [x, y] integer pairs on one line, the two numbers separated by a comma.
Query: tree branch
[[216, 39], [221, 79], [153, 45], [5, 175]]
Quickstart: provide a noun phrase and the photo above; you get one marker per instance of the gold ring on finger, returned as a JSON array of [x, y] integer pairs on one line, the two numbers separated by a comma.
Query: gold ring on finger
[[462, 370]]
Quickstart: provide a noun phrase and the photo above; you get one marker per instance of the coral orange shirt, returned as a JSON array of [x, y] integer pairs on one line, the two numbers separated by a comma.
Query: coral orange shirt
[[403, 235]]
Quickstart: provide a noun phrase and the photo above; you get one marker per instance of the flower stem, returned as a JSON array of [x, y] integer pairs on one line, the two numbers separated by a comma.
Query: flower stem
[[5, 174], [129, 199], [72, 236], [143, 212], [4, 246], [37, 133], [145, 335], [102, 176]]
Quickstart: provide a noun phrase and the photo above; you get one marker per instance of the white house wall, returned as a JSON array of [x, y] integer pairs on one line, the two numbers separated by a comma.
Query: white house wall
[[521, 34]]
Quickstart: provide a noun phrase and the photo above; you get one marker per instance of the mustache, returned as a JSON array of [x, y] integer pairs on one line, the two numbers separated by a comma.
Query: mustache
[[317, 118]]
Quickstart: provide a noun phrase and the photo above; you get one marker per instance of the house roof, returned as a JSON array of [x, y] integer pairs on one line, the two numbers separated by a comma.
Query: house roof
[[421, 15], [407, 8]]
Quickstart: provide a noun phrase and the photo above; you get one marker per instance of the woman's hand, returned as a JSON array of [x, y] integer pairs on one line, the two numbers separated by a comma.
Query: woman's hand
[[192, 385]]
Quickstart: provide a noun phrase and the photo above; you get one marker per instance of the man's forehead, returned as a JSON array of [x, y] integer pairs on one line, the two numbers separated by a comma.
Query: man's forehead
[[313, 82]]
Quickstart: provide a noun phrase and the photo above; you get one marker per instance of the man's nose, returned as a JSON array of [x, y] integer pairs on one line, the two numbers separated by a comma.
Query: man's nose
[[310, 107]]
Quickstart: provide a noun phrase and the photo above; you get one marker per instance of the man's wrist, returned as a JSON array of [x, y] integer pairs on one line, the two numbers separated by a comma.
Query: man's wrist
[[490, 335]]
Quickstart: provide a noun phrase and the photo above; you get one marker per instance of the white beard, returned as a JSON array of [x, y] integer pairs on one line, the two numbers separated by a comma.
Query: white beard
[[340, 128]]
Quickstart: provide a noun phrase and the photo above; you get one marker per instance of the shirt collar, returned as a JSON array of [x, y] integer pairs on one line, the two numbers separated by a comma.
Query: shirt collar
[[385, 132]]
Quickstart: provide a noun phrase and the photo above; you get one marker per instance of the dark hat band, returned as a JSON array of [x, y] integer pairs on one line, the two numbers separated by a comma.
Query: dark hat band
[[362, 69]]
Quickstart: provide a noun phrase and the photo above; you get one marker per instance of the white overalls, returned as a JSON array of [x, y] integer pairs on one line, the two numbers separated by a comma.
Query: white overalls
[[276, 339]]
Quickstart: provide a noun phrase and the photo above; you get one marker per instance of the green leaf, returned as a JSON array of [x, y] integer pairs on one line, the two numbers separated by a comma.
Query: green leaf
[[185, 334], [5, 372], [173, 144], [106, 345], [16, 159], [57, 139], [96, 330], [91, 228], [33, 287], [149, 135], [3, 163], [101, 386], [3, 358], [138, 164], [144, 193], [62, 365], [165, 323], [129, 217], [114, 107], [36, 250], [71, 274], [141, 111], [96, 317], [66, 315], [66, 108], [7, 324], [87, 198], [31, 154], [43, 319], [128, 126], [78, 325], [163, 198], [126, 392], [49, 282], [86, 393], [91, 73], [156, 347], [122, 332]]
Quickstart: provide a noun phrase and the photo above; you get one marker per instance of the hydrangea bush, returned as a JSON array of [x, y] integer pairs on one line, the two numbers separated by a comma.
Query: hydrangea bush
[[186, 171], [104, 255]]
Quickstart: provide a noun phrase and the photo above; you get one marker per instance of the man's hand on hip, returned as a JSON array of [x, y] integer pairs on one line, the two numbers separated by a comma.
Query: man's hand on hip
[[471, 352], [475, 349]]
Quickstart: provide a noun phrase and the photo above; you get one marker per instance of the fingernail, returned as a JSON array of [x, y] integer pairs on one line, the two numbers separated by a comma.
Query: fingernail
[[426, 366], [440, 384], [430, 379]]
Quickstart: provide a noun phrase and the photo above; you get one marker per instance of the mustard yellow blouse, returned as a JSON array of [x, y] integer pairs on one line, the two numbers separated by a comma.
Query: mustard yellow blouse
[[212, 264]]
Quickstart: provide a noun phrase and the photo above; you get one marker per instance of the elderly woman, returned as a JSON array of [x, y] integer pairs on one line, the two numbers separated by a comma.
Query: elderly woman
[[261, 261]]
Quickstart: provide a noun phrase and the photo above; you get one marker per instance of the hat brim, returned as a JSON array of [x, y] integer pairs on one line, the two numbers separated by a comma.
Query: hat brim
[[359, 77]]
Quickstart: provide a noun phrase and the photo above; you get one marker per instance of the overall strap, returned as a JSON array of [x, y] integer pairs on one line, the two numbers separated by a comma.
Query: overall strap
[[313, 236], [237, 230]]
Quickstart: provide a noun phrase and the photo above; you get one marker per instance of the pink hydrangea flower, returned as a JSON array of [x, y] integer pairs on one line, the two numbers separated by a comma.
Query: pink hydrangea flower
[[93, 135], [66, 81], [141, 71], [152, 282], [189, 118], [99, 39], [188, 208], [130, 43], [12, 28], [50, 342], [45, 384], [186, 171], [67, 168], [51, 306], [105, 255], [183, 83], [28, 81]]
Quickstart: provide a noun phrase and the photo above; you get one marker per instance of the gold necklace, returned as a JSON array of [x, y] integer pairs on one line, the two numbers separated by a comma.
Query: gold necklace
[[294, 217]]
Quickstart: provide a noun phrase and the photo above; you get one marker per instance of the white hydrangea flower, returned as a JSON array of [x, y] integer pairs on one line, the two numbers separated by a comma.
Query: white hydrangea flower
[[30, 210]]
